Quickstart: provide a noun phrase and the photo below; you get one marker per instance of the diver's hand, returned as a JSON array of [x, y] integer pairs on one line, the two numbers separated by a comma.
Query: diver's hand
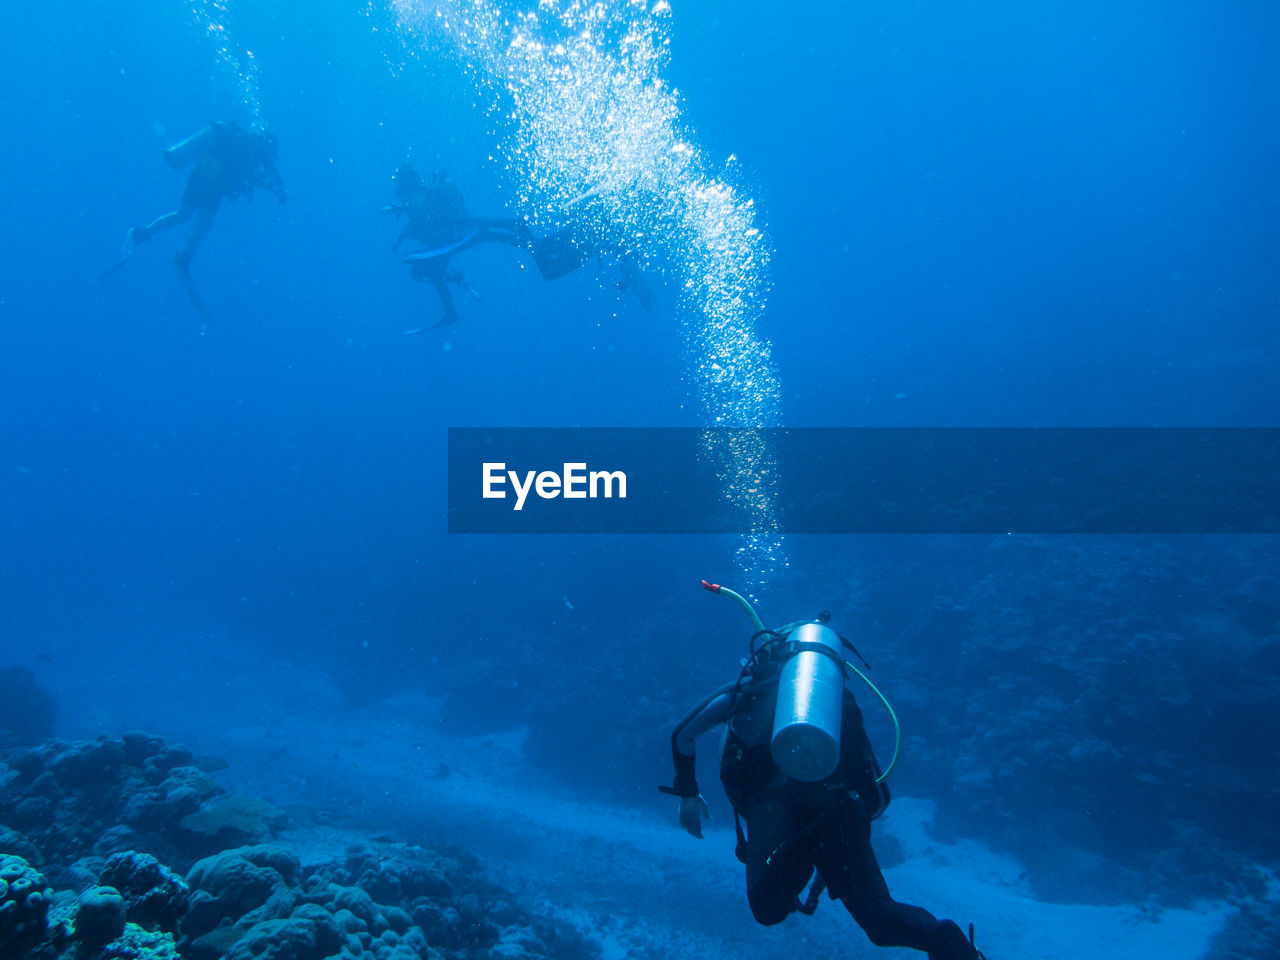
[[282, 196], [692, 810]]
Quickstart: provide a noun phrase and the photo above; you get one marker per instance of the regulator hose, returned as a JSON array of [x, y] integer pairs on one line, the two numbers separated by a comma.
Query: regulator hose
[[738, 598], [897, 728]]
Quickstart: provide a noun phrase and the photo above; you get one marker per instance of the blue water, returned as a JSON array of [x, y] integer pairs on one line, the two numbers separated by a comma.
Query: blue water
[[978, 214]]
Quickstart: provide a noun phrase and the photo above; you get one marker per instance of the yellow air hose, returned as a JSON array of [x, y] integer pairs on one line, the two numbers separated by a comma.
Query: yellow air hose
[[739, 598], [897, 728]]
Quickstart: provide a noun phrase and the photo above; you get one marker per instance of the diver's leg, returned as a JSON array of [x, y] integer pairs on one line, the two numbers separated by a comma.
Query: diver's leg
[[436, 273], [137, 235], [162, 222], [846, 861], [446, 300], [459, 280], [777, 860], [204, 220], [182, 259], [950, 943], [514, 233]]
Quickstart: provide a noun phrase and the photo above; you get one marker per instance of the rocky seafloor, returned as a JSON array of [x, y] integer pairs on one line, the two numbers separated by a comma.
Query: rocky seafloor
[[128, 849]]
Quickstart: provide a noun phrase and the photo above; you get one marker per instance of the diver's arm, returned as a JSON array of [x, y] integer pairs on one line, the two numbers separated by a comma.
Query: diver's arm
[[271, 180], [711, 712]]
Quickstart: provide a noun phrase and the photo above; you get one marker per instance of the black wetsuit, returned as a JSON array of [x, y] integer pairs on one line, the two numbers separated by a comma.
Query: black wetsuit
[[794, 828]]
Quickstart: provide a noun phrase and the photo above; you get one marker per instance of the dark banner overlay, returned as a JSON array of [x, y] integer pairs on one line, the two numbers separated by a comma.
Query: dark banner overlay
[[866, 480]]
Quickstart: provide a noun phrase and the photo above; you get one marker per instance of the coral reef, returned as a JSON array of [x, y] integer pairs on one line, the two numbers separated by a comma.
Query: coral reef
[[100, 917], [110, 795], [383, 902], [232, 822], [24, 905], [156, 898], [138, 944], [79, 804], [1079, 702]]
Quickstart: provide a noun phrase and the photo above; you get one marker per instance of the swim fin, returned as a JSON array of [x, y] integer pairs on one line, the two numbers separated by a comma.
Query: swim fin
[[558, 255], [130, 244], [184, 280], [447, 322]]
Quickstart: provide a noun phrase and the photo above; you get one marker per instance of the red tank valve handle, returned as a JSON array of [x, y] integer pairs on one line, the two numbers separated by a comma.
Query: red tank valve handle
[[740, 600]]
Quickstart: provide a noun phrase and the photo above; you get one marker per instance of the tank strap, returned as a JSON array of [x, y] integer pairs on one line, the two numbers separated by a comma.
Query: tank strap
[[802, 646]]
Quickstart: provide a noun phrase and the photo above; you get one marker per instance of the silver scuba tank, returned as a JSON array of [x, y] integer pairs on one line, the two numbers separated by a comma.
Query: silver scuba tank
[[806, 722], [185, 151]]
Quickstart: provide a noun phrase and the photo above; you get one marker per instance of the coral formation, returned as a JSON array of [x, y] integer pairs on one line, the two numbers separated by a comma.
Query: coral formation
[[257, 902], [155, 897], [138, 944], [1097, 738], [232, 822], [90, 809], [24, 905], [100, 916], [112, 795]]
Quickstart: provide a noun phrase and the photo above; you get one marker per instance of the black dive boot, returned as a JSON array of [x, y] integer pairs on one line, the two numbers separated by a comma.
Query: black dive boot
[[950, 943]]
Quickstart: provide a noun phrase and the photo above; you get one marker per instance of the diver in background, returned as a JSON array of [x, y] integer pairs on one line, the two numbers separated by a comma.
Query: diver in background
[[797, 828], [437, 218], [228, 162]]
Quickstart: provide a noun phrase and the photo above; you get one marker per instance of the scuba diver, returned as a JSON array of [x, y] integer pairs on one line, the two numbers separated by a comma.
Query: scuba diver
[[437, 218], [798, 768], [228, 161]]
